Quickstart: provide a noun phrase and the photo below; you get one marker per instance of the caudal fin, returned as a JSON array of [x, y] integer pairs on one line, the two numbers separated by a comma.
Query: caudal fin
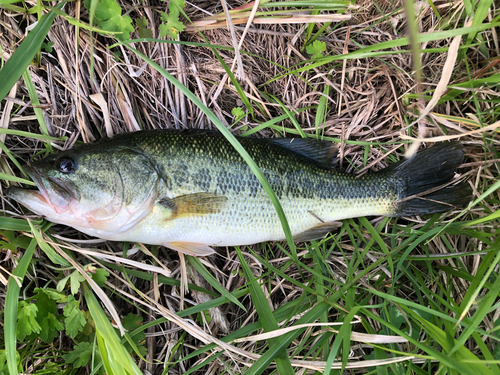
[[420, 180]]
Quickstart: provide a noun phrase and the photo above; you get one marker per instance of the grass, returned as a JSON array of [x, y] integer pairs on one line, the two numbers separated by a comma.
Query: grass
[[380, 295]]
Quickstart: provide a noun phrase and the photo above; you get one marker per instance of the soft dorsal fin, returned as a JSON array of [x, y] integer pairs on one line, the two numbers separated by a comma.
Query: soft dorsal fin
[[321, 153], [194, 204]]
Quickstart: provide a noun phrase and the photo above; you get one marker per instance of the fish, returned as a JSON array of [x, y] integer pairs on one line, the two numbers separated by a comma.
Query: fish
[[191, 191]]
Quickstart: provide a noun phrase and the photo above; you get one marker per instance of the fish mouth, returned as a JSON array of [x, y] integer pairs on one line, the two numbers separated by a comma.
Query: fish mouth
[[53, 192]]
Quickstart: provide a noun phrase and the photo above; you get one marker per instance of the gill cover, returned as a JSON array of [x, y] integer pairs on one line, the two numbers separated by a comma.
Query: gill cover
[[102, 193]]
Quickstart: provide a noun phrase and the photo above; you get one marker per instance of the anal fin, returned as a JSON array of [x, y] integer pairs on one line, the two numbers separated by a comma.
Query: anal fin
[[191, 248], [317, 232]]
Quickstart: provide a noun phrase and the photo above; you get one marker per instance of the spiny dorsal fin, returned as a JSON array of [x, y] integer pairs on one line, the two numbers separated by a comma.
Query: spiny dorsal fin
[[194, 204], [317, 231], [321, 153]]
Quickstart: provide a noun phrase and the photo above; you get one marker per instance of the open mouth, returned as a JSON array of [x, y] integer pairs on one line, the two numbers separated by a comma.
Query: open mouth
[[54, 192]]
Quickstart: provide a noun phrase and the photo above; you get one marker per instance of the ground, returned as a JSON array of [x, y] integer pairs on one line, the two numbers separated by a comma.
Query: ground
[[407, 295]]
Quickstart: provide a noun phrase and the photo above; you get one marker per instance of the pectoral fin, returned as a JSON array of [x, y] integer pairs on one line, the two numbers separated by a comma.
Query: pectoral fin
[[190, 248], [194, 204], [317, 231]]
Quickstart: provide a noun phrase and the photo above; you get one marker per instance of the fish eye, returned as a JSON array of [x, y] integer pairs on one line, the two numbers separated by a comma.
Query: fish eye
[[65, 165]]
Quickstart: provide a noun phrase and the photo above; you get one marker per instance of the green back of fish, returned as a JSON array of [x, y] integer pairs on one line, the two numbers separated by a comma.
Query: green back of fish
[[198, 161]]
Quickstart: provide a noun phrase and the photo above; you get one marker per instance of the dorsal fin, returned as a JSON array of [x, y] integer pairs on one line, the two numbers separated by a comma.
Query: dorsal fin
[[321, 153]]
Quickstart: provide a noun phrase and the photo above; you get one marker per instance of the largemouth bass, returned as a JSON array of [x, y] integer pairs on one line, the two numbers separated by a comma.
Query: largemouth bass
[[191, 190]]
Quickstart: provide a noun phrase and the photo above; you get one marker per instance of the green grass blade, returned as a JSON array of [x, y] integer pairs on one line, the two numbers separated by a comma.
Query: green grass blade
[[284, 312], [445, 340], [49, 251], [198, 266], [487, 354], [320, 268], [8, 223], [282, 343], [152, 40], [484, 306], [11, 303], [162, 279], [284, 275], [376, 238], [422, 310], [112, 350], [373, 50], [438, 355], [11, 156], [261, 304], [268, 124], [343, 336], [36, 104], [322, 111], [483, 7], [20, 133], [308, 3], [9, 177], [104, 353], [479, 280], [235, 82], [489, 218], [22, 57], [290, 116]]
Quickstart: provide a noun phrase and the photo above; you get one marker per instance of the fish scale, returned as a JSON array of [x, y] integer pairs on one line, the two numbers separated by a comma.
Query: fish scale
[[191, 189], [308, 194]]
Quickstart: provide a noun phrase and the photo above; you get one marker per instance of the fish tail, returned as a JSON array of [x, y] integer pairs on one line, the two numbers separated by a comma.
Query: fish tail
[[425, 184]]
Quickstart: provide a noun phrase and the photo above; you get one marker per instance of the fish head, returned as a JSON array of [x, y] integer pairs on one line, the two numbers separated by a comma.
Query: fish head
[[100, 192]]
